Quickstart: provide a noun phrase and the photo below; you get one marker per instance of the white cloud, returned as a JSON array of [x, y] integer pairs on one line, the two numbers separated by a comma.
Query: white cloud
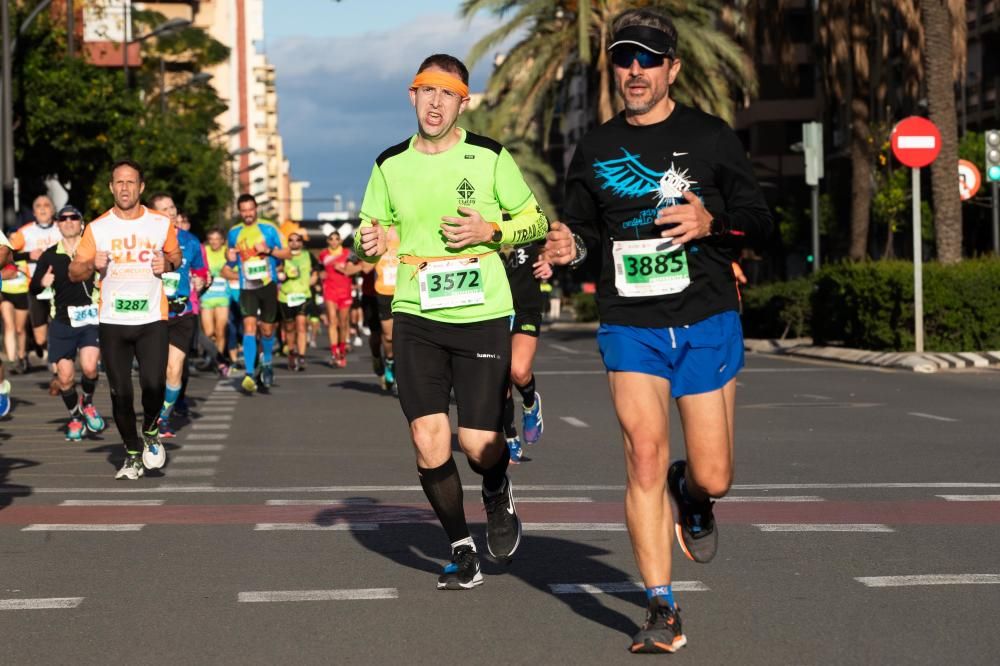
[[342, 100]]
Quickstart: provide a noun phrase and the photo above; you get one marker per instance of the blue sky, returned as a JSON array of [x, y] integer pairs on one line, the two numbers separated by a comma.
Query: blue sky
[[342, 73]]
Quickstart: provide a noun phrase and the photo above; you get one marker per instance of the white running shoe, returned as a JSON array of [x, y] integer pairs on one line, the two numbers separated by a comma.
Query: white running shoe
[[132, 469], [154, 455]]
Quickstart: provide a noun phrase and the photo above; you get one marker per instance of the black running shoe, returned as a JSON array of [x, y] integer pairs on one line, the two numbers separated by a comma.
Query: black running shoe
[[697, 533], [463, 572], [661, 632], [503, 527]]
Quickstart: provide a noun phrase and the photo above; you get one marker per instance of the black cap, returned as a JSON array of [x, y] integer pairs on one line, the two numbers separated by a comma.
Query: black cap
[[651, 39], [69, 210]]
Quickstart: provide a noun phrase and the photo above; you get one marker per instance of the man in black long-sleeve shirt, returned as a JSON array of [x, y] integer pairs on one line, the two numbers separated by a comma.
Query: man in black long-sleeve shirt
[[666, 194]]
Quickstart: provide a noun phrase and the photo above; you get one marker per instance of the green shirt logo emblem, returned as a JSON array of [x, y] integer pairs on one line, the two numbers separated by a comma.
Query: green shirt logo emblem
[[465, 189]]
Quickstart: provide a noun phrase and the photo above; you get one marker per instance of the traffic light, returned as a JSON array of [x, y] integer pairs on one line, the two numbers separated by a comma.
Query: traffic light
[[993, 155], [812, 146]]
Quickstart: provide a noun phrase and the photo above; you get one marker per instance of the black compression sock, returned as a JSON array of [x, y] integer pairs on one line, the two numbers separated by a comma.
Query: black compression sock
[[493, 477], [70, 399], [508, 418], [89, 386], [443, 489], [527, 392]]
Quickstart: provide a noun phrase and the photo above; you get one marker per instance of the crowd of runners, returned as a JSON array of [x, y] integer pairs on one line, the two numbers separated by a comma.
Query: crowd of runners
[[447, 260]]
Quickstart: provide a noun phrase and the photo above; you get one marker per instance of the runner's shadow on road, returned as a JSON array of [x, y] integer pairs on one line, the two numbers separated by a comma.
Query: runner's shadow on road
[[115, 453], [362, 387], [412, 537], [8, 491]]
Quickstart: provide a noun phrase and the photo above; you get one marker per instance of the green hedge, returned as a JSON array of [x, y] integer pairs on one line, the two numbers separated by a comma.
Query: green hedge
[[870, 306], [584, 307]]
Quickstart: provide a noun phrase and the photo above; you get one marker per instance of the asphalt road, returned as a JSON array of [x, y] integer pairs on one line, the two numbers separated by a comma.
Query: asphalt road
[[290, 528]]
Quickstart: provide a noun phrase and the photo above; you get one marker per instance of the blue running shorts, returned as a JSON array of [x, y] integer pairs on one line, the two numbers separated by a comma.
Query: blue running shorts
[[697, 358]]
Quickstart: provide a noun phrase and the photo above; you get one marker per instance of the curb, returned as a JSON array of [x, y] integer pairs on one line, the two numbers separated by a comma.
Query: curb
[[926, 362]]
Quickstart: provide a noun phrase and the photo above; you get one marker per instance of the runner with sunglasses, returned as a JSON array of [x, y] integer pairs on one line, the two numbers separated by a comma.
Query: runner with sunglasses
[[131, 246], [667, 197], [446, 190], [73, 329]]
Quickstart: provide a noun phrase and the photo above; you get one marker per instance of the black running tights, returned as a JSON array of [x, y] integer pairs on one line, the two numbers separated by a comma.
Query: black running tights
[[119, 345]]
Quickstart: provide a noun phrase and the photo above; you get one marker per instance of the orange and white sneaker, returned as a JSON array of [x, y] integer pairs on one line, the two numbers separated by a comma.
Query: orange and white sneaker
[[697, 533], [661, 632]]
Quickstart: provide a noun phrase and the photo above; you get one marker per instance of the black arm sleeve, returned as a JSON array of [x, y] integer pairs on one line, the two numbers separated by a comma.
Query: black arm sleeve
[[582, 214], [36, 279], [746, 217]]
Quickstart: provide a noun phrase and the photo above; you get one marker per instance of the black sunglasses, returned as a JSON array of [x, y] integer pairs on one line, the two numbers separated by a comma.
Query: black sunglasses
[[624, 56], [67, 218]]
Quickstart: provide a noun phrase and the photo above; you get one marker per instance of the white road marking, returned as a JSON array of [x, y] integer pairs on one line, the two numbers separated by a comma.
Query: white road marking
[[278, 490], [115, 502], [570, 373], [565, 349], [574, 527], [823, 527], [211, 426], [622, 587], [193, 459], [970, 498], [180, 473], [217, 408], [932, 417], [40, 604], [202, 447], [214, 417], [931, 579], [323, 502], [82, 527], [312, 527], [206, 436], [811, 395], [554, 500], [320, 595], [573, 421], [771, 498]]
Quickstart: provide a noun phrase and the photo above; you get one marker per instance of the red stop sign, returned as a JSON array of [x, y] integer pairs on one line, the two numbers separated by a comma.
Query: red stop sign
[[916, 142]]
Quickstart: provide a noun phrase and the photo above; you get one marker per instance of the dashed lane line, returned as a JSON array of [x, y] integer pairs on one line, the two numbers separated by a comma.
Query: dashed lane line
[[312, 527], [622, 587], [823, 527], [573, 421], [114, 502], [970, 498], [931, 579], [189, 473], [202, 447], [319, 595], [205, 436], [188, 460], [573, 527], [214, 417], [197, 425], [933, 417], [320, 502], [771, 498], [51, 603], [83, 527]]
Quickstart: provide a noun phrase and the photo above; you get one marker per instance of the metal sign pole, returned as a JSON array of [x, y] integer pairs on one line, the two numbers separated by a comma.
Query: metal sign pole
[[918, 272], [815, 227], [996, 218]]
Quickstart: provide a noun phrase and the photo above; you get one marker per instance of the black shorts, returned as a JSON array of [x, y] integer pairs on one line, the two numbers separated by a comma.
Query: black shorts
[[19, 301], [313, 309], [384, 307], [181, 331], [371, 319], [527, 322], [289, 313], [261, 303], [38, 311], [432, 358], [65, 341]]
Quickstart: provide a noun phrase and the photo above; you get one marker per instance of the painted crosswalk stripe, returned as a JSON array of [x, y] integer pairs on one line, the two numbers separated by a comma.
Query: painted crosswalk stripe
[[40, 604], [214, 417], [574, 527], [193, 459], [204, 436], [622, 587], [179, 473], [107, 502], [217, 408], [319, 595], [573, 421], [823, 527], [554, 500], [565, 349], [202, 447], [772, 498], [312, 527], [319, 502], [970, 498], [931, 579], [211, 426], [82, 527]]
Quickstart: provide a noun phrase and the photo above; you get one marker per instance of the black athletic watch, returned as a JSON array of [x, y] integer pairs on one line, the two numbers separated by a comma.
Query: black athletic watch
[[581, 252], [716, 228], [497, 233]]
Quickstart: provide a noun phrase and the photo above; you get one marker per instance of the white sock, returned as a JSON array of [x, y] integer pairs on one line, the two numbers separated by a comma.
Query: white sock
[[467, 541]]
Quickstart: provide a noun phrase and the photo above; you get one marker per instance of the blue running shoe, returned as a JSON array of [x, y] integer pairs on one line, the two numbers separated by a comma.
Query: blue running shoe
[[75, 430], [267, 375], [390, 372], [95, 423], [532, 424], [4, 399], [166, 432], [514, 445]]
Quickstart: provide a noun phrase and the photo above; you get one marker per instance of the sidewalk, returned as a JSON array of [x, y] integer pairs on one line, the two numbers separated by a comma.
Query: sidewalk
[[926, 362]]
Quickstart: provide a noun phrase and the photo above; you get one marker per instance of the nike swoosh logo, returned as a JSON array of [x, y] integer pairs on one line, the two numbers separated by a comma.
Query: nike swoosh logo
[[679, 154], [510, 510]]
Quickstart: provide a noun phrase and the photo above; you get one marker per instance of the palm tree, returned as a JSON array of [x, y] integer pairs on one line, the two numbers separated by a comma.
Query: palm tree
[[560, 35]]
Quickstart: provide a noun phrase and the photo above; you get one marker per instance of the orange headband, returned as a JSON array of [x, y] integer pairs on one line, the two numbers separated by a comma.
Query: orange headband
[[443, 80]]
